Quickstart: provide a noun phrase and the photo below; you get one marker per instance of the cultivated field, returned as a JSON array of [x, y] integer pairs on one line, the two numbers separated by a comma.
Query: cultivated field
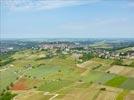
[[33, 76]]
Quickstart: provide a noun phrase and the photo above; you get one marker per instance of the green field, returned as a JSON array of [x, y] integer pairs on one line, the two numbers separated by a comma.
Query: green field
[[97, 77], [128, 84], [116, 81], [7, 77]]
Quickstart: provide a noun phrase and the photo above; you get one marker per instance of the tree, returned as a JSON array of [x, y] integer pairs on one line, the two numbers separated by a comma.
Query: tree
[[35, 87], [108, 71], [132, 64], [11, 84], [87, 56], [103, 89], [59, 70], [117, 62], [80, 80], [7, 96], [7, 87]]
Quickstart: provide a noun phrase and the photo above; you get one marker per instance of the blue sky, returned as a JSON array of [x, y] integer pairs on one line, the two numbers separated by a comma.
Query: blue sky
[[67, 19]]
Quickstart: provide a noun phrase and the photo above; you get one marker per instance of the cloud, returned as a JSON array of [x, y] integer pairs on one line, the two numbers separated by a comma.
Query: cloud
[[43, 4], [100, 26]]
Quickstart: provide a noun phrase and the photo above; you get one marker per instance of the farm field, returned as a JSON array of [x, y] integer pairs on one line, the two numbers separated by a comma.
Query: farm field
[[122, 70], [31, 75]]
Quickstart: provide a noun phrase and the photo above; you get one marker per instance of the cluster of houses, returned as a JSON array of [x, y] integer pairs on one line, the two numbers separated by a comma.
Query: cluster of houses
[[117, 55], [5, 49], [69, 47]]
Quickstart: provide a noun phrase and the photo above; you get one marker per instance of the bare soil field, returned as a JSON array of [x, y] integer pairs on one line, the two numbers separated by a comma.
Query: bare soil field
[[81, 94], [122, 70], [106, 95], [20, 85], [25, 84], [31, 95], [130, 96], [93, 92]]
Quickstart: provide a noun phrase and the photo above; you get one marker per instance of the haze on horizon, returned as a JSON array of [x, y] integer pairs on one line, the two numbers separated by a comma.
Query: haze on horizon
[[67, 19]]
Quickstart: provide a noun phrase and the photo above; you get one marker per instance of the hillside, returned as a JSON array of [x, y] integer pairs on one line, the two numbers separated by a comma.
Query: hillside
[[31, 75]]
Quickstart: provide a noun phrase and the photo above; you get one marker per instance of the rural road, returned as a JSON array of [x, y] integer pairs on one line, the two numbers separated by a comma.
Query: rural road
[[3, 69], [46, 93], [55, 95]]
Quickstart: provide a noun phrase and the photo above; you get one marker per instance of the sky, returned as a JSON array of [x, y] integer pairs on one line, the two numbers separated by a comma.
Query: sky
[[67, 19]]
